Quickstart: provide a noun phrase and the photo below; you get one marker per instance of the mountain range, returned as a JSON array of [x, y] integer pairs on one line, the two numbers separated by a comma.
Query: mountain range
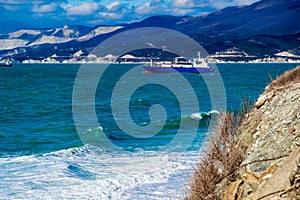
[[262, 28]]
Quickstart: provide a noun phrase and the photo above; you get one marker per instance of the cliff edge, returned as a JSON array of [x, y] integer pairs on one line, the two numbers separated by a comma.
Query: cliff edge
[[255, 155], [271, 166]]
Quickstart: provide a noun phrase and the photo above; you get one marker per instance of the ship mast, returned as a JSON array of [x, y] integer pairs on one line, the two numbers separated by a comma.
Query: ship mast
[[199, 55]]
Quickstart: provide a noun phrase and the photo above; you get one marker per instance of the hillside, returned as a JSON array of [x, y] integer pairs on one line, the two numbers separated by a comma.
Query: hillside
[[261, 158], [266, 17], [76, 33], [264, 28]]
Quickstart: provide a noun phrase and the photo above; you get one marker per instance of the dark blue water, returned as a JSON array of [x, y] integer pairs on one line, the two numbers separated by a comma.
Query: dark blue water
[[36, 116]]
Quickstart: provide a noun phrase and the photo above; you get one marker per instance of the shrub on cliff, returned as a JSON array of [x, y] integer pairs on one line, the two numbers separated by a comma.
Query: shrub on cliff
[[222, 158], [288, 77]]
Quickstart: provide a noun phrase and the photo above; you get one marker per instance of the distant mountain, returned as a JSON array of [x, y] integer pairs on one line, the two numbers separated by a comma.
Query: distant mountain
[[267, 17], [79, 33], [263, 28]]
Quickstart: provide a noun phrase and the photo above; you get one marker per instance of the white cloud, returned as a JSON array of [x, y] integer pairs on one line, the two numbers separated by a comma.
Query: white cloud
[[225, 3], [144, 8], [153, 7], [113, 11], [86, 8], [44, 8], [183, 3], [113, 5], [19, 2], [56, 12], [244, 2], [12, 7], [180, 11], [109, 15], [156, 2]]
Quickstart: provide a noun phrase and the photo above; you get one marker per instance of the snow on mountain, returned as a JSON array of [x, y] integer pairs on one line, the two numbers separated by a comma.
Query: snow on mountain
[[16, 39], [99, 31], [18, 34], [50, 40], [71, 31], [78, 53], [24, 38], [262, 28], [11, 43], [287, 54], [65, 32]]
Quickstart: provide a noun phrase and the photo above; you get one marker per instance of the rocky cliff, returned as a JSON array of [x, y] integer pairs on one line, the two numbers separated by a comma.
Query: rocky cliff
[[271, 166], [255, 154]]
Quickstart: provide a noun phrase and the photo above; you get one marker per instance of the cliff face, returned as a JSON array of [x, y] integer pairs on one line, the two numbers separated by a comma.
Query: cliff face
[[271, 131]]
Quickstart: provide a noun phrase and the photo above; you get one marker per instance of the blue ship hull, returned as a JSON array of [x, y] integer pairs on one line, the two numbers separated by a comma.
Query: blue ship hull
[[157, 69]]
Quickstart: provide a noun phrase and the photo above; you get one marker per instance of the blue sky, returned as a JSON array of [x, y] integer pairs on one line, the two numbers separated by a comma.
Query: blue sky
[[33, 14]]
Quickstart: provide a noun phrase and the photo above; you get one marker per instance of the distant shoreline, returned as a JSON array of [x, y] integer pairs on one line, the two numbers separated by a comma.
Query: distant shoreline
[[143, 63]]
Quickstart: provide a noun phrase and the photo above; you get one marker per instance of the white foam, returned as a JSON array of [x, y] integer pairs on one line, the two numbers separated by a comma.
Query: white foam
[[214, 112], [199, 115], [95, 174], [196, 116]]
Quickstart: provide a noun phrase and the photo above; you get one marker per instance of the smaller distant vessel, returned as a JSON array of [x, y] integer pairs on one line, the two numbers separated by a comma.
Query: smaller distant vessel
[[7, 63], [180, 64]]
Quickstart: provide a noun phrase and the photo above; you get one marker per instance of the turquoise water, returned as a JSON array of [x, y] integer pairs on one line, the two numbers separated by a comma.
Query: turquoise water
[[41, 152]]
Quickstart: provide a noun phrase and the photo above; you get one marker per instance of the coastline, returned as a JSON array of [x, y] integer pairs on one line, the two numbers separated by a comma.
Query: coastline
[[260, 159], [79, 171], [230, 56], [139, 63]]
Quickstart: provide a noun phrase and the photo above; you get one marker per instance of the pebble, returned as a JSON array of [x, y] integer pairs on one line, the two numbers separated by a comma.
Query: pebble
[[278, 131], [256, 135], [267, 176], [292, 130]]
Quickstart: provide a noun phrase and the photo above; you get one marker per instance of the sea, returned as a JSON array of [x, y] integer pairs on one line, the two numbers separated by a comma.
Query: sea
[[96, 131]]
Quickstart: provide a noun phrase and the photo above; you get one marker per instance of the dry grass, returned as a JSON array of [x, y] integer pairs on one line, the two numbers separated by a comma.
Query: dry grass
[[288, 77], [224, 153], [221, 160]]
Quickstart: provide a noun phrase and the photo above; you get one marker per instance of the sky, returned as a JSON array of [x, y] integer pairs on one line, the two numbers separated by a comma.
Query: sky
[[35, 14]]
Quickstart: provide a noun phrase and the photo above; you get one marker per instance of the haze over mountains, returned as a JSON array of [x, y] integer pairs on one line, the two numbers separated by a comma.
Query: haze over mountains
[[263, 28]]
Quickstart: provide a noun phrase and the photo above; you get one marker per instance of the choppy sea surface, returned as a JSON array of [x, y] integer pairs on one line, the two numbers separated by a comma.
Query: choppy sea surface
[[43, 153]]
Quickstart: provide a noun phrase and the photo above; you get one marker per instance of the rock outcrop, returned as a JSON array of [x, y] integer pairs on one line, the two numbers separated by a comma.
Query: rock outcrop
[[271, 167]]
